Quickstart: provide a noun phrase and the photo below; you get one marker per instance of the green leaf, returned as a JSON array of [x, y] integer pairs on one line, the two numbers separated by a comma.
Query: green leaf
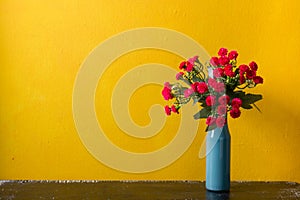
[[247, 99], [196, 79], [203, 113], [239, 94], [252, 98], [246, 106], [197, 115], [199, 99]]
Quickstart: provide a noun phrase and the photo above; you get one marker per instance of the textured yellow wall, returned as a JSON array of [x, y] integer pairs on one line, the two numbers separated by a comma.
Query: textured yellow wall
[[43, 44]]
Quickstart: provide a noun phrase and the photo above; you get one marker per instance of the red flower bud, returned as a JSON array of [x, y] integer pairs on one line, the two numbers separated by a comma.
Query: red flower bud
[[218, 72], [182, 65], [236, 102], [232, 55], [167, 110], [235, 112], [174, 109], [214, 61], [210, 120], [210, 100], [220, 121], [222, 52], [222, 109], [253, 66], [258, 79], [224, 60]]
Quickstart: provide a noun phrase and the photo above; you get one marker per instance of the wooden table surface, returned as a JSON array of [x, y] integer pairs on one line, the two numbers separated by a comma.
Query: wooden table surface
[[144, 190]]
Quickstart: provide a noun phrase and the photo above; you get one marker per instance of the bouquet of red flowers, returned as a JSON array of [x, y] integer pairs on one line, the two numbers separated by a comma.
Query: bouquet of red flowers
[[217, 87]]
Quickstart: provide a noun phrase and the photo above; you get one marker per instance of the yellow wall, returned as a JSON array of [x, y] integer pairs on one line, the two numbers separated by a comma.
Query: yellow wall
[[43, 44]]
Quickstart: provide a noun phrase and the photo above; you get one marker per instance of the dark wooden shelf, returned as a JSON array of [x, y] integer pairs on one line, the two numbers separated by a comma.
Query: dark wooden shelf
[[144, 190]]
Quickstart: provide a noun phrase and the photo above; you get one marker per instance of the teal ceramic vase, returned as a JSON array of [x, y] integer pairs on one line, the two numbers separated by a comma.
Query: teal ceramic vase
[[218, 159]]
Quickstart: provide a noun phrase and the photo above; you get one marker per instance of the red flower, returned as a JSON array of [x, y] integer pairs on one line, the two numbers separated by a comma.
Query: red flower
[[210, 120], [243, 69], [224, 60], [219, 87], [168, 85], [174, 109], [214, 61], [222, 52], [210, 100], [218, 72], [253, 66], [236, 102], [242, 79], [182, 65], [222, 109], [235, 112], [223, 100], [258, 79], [189, 66], [202, 87], [199, 87], [228, 67], [212, 82], [166, 92], [250, 74], [232, 55], [193, 59], [179, 75], [220, 121], [167, 110], [228, 71], [194, 86], [188, 92]]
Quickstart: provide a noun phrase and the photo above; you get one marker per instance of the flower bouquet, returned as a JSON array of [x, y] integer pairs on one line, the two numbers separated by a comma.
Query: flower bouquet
[[218, 87]]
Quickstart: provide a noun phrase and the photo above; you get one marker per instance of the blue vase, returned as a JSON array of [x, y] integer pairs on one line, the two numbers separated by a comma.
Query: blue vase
[[218, 159]]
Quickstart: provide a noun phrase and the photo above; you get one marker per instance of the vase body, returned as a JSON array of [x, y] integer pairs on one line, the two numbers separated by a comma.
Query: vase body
[[218, 159]]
